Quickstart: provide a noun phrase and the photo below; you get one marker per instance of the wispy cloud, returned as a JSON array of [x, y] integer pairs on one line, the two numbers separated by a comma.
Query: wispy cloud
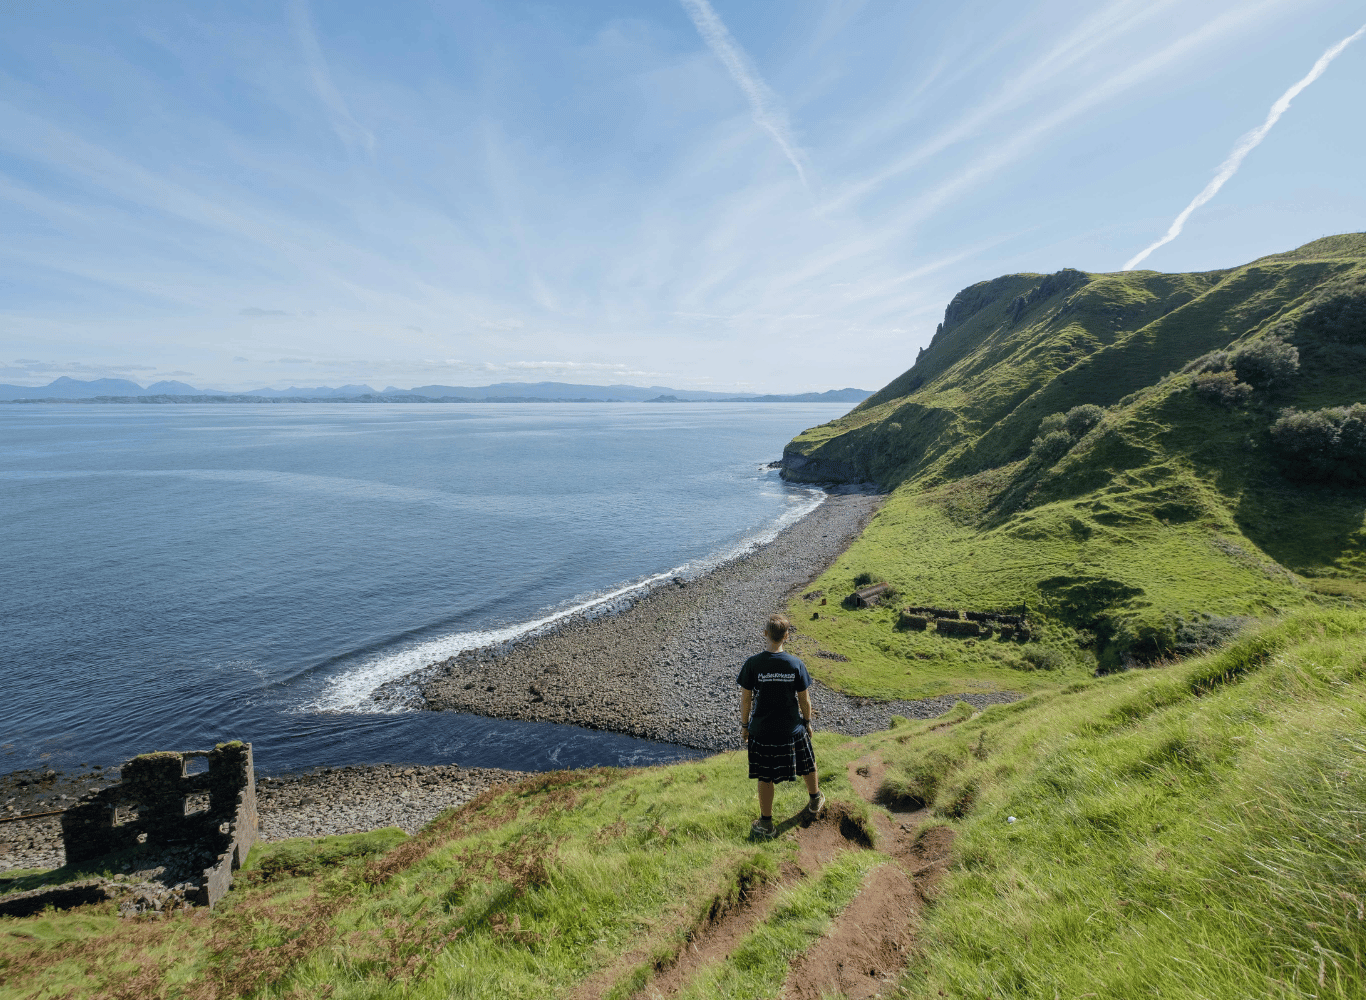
[[1245, 145], [1074, 49], [580, 188], [1025, 138], [350, 131], [766, 109]]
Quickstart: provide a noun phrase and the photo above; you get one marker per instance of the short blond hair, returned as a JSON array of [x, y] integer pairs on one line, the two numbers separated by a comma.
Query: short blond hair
[[777, 628]]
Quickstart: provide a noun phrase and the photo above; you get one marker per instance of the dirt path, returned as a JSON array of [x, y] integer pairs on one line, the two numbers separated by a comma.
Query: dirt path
[[867, 945], [875, 936], [725, 925]]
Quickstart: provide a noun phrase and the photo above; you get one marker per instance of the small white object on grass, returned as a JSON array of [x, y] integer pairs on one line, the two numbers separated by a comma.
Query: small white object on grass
[[1010, 819]]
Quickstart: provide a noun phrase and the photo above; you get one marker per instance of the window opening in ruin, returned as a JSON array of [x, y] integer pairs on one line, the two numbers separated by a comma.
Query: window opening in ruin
[[196, 765], [125, 814]]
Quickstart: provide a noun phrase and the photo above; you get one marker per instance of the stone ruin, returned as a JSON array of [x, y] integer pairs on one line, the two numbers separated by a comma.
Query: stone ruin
[[950, 621], [191, 829]]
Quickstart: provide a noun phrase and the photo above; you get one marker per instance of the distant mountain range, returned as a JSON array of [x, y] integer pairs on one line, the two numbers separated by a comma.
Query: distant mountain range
[[118, 390]]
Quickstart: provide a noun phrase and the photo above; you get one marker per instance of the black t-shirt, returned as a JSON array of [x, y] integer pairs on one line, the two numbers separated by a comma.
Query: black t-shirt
[[775, 679]]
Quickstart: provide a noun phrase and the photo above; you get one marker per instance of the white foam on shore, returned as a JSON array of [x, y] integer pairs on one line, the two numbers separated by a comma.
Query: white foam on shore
[[354, 689]]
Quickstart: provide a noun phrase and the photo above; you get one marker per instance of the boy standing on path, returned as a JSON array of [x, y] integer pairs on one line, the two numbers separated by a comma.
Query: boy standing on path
[[775, 723]]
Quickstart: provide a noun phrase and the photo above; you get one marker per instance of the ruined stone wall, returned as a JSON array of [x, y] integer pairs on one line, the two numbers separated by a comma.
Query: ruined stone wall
[[153, 807]]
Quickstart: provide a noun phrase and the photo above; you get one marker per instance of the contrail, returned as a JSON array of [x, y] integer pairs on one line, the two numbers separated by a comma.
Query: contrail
[[343, 122], [763, 103], [1246, 145]]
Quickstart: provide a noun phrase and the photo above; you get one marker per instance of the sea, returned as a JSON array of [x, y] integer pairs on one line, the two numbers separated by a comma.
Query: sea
[[178, 575]]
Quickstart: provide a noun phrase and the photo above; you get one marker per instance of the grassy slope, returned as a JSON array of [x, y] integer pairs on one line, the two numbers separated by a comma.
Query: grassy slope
[[522, 893], [1190, 831], [1172, 506]]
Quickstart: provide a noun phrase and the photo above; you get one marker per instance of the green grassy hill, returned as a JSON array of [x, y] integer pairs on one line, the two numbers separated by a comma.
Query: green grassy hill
[[1168, 504]]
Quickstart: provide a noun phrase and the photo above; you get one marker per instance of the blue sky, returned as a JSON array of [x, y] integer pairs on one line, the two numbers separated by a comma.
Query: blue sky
[[734, 194]]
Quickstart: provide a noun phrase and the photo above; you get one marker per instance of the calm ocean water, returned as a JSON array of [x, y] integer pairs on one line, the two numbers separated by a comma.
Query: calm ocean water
[[179, 575]]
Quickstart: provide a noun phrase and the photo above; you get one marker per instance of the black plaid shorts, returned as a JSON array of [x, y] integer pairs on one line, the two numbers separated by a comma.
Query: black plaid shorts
[[783, 761]]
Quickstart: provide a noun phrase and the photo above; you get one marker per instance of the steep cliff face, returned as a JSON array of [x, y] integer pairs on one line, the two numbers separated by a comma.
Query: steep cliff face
[[1016, 348]]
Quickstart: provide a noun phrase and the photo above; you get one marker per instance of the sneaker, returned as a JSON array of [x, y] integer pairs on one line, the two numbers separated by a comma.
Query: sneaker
[[762, 828], [814, 806]]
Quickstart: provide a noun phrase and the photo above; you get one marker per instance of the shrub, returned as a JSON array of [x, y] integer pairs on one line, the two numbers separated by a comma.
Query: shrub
[[1041, 657], [1266, 363], [1081, 419], [1327, 444], [1052, 446], [1058, 432], [1206, 632], [863, 580], [1136, 643], [1222, 387], [1052, 422], [1215, 361], [1339, 314]]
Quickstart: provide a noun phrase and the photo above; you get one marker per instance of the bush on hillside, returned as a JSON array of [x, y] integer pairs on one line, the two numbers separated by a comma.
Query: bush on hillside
[[1268, 363], [1136, 643], [1207, 632], [1050, 447], [1036, 657], [1051, 423], [1339, 313], [1327, 444], [1222, 387], [1058, 432], [1214, 361], [1081, 419]]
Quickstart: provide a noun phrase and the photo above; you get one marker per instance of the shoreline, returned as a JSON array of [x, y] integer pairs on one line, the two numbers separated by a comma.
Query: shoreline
[[662, 666], [659, 664]]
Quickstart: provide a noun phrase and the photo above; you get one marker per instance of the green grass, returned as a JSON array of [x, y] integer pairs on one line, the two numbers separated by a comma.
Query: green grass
[[1194, 831], [1190, 831]]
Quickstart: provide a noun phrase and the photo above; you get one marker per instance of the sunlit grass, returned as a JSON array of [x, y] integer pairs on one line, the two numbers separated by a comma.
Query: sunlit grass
[[1191, 831]]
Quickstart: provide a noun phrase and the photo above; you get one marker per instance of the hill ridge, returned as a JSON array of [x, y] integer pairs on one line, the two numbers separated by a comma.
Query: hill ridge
[[1127, 454]]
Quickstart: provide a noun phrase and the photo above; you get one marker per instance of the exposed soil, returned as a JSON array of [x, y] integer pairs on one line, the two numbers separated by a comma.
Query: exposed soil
[[818, 841], [716, 939], [868, 945], [872, 940], [865, 774]]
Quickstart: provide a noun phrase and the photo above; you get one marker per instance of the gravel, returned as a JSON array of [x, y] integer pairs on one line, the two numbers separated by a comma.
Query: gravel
[[356, 799]]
